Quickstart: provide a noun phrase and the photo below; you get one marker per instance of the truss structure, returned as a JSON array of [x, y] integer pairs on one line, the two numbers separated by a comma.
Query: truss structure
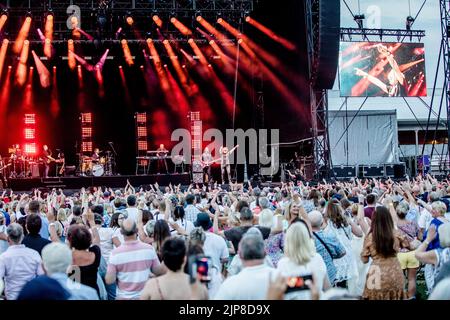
[[318, 98]]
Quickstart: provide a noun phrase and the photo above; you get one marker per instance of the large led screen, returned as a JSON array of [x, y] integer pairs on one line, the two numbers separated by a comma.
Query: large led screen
[[371, 69]]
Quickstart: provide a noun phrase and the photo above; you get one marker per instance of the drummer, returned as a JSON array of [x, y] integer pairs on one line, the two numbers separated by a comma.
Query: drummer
[[96, 156]]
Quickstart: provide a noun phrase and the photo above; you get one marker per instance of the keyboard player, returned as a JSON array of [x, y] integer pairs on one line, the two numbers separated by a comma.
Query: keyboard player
[[161, 154]]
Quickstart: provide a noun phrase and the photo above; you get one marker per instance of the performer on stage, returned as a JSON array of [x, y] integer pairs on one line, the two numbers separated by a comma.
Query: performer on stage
[[207, 161], [96, 156], [161, 153], [225, 162], [297, 176], [47, 159]]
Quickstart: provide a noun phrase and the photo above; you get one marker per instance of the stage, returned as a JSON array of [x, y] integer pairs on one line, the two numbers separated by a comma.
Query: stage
[[28, 184]]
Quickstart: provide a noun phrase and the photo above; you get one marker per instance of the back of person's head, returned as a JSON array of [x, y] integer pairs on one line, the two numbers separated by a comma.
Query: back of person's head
[[150, 228], [114, 223], [98, 219], [439, 208], [79, 237], [128, 228], [402, 209], [15, 233], [382, 229], [76, 211], [118, 202], [197, 236], [97, 209], [334, 213], [56, 258], [34, 206], [240, 205], [264, 203], [299, 247], [173, 253], [43, 288], [179, 212], [161, 231], [434, 196], [146, 216], [256, 192], [162, 206], [246, 214], [251, 246], [33, 224], [131, 200], [62, 215], [444, 235], [345, 203], [315, 218], [371, 198], [189, 199], [266, 218]]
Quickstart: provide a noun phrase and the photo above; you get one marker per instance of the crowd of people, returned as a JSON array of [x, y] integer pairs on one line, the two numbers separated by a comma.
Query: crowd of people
[[331, 240]]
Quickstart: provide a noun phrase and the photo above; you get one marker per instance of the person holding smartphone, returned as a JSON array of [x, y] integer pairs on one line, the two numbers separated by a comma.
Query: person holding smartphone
[[301, 263]]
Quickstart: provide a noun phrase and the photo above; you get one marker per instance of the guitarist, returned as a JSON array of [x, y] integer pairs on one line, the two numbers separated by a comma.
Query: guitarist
[[207, 161], [47, 158]]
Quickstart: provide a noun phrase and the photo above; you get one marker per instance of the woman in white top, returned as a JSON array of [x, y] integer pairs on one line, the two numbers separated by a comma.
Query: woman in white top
[[342, 227], [184, 226], [105, 234], [3, 237], [116, 223], [301, 259]]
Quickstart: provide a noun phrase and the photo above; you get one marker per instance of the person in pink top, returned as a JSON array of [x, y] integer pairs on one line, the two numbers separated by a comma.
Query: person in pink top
[[132, 264]]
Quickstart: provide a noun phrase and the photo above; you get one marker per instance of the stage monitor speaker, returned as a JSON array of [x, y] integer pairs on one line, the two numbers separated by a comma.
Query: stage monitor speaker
[[372, 171], [328, 43], [341, 172], [400, 171], [70, 171]]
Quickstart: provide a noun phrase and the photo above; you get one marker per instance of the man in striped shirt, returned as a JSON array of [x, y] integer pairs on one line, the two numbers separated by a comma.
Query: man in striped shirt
[[132, 264]]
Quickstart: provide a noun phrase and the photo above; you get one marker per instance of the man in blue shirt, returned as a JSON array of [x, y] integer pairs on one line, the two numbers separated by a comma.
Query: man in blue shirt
[[327, 245]]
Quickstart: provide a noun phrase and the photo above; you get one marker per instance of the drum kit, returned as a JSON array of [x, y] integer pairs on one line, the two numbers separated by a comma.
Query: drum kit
[[19, 167], [97, 168]]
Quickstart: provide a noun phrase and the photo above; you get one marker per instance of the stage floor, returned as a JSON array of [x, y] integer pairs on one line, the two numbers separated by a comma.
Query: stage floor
[[28, 184]]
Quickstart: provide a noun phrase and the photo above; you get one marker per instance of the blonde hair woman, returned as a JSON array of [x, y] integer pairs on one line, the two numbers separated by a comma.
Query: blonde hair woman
[[437, 257], [301, 259]]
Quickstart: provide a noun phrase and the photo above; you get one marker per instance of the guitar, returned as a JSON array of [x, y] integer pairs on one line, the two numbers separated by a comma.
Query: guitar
[[50, 159], [219, 159], [4, 167]]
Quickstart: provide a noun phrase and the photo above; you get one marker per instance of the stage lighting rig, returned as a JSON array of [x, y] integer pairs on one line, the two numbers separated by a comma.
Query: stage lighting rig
[[359, 19]]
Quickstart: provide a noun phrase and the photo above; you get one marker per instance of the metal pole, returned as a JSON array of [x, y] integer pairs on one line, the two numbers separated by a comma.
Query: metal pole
[[236, 75], [417, 151]]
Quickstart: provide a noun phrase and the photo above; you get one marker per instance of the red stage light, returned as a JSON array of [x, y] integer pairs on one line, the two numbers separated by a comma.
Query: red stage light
[[30, 118], [142, 145], [30, 133], [141, 118], [86, 117]]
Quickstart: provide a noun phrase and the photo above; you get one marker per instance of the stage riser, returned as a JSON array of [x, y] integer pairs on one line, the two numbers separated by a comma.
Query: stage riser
[[110, 182]]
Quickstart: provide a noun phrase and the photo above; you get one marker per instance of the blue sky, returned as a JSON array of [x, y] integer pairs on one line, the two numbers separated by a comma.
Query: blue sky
[[393, 15]]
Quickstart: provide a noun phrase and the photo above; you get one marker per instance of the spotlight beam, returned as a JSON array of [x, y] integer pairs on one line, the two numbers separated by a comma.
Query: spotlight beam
[[44, 74], [22, 36], [284, 42], [181, 27], [3, 51]]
